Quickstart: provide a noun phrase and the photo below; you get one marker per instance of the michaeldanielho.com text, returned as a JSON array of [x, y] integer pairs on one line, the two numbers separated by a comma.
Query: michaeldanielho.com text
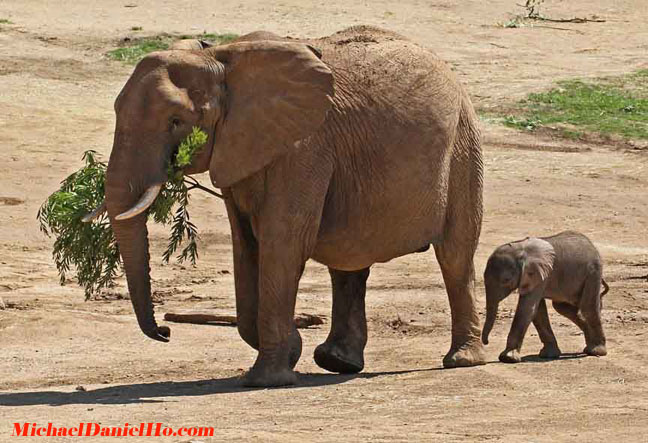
[[99, 430]]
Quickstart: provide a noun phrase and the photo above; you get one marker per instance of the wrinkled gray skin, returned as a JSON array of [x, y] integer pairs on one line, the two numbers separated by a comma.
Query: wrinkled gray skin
[[351, 149], [565, 268]]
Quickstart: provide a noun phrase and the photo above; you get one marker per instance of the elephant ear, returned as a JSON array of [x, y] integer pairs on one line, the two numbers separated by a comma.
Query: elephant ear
[[278, 93], [538, 263]]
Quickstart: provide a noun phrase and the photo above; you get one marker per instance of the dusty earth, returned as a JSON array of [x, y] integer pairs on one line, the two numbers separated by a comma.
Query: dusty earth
[[57, 90]]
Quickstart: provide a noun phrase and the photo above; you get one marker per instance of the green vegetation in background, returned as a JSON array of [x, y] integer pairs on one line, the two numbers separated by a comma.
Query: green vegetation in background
[[135, 49], [216, 39], [5, 21], [609, 106]]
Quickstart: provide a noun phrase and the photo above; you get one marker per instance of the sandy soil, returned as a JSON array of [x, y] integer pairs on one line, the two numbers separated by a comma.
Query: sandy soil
[[56, 98]]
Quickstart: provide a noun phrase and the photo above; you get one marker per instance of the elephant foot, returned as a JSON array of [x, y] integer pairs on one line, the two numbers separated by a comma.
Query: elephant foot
[[598, 350], [470, 353], [335, 357], [266, 377], [510, 356], [274, 367], [550, 350]]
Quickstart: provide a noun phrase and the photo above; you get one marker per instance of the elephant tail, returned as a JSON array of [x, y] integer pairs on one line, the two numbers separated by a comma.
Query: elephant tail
[[606, 288]]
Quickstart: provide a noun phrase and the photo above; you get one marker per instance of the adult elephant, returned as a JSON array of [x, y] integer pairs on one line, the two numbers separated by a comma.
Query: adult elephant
[[351, 149]]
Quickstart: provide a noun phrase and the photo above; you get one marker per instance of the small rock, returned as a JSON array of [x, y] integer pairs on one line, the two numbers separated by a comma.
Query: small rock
[[81, 388]]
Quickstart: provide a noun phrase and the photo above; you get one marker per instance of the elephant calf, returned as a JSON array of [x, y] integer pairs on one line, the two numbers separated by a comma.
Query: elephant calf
[[565, 268]]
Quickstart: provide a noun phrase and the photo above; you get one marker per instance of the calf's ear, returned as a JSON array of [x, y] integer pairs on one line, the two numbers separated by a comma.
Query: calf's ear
[[537, 262]]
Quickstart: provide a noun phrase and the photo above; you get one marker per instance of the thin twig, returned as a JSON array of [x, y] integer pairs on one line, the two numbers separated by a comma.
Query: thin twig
[[559, 29], [533, 13], [195, 184], [639, 277], [567, 20]]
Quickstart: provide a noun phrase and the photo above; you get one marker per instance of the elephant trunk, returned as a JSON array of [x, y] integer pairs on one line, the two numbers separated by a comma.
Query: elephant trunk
[[132, 238], [493, 298], [491, 316]]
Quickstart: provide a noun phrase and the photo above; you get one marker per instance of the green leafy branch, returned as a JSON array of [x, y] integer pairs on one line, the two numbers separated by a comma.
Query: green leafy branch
[[90, 248]]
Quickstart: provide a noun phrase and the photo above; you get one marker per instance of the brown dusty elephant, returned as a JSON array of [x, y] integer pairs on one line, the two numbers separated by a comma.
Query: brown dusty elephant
[[565, 268], [351, 149]]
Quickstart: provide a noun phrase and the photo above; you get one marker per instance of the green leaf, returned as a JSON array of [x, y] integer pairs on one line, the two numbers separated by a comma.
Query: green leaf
[[190, 146]]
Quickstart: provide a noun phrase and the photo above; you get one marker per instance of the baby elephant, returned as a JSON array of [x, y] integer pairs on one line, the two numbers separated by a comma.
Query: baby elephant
[[565, 268]]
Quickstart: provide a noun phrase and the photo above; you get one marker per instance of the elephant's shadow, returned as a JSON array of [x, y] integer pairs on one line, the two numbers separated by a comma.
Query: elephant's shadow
[[156, 392], [534, 358]]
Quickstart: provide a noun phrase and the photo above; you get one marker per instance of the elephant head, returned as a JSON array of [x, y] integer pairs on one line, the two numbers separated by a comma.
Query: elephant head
[[256, 100], [522, 265]]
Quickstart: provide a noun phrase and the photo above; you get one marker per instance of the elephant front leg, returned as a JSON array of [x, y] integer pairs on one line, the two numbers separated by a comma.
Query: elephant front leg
[[550, 347], [526, 310], [285, 220], [343, 350], [246, 281], [281, 264], [278, 336]]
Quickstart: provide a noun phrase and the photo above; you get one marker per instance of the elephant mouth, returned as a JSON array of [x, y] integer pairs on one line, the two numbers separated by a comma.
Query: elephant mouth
[[171, 159], [174, 153]]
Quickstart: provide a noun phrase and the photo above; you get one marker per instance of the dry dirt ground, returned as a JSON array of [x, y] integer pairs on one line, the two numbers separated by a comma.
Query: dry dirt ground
[[56, 94]]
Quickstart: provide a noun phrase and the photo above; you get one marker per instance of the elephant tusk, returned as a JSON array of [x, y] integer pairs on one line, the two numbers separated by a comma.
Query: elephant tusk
[[94, 214], [143, 204]]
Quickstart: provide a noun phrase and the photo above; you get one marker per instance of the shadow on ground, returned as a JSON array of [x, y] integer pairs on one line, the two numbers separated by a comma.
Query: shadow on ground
[[563, 356], [156, 392], [159, 391]]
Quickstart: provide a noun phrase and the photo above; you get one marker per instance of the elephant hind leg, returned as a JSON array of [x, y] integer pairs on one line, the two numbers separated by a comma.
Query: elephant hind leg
[[571, 312], [343, 350], [456, 252], [457, 267], [590, 307]]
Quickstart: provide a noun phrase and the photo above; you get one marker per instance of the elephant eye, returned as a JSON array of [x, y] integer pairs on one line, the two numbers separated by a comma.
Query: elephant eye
[[174, 123]]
